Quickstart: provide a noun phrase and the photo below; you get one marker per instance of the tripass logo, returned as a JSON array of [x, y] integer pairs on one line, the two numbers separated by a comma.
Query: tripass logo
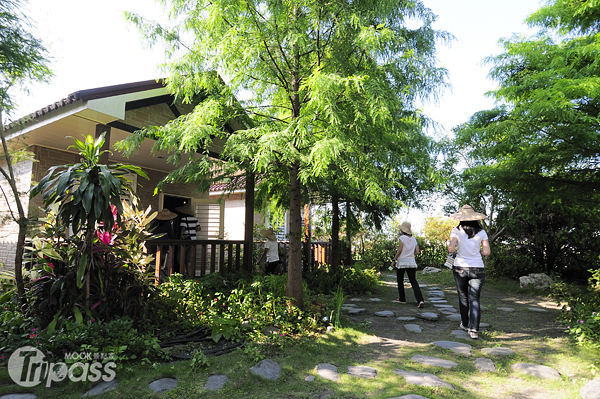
[[28, 368]]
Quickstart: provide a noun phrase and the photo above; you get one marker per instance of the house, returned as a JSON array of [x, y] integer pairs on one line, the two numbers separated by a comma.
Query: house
[[117, 111]]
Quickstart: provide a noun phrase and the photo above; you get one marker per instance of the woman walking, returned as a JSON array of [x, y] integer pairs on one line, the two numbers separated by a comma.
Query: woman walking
[[405, 260], [470, 242]]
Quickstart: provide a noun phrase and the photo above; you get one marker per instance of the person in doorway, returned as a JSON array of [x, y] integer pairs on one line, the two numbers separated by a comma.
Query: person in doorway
[[188, 228], [271, 252], [470, 242], [404, 260], [163, 224]]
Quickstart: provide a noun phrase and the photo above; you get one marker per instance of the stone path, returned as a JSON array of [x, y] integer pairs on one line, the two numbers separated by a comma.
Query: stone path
[[271, 370]]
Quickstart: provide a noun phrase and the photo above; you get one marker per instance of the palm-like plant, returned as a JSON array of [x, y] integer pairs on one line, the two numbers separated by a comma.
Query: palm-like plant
[[84, 193]]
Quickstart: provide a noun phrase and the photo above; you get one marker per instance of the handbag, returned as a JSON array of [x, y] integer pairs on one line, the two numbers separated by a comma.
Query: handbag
[[450, 260]]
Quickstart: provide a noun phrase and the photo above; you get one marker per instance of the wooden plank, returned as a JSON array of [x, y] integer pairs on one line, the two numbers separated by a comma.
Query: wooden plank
[[213, 257], [203, 261], [221, 258]]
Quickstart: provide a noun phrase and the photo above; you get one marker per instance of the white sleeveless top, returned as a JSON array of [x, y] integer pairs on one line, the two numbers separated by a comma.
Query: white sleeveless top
[[406, 260]]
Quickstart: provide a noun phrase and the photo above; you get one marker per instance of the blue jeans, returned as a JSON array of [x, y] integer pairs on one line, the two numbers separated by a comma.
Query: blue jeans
[[469, 282], [411, 273]]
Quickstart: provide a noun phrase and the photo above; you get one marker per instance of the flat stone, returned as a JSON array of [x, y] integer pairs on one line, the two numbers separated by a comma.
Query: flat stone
[[406, 318], [498, 351], [436, 293], [434, 361], [506, 309], [356, 310], [537, 309], [327, 371], [456, 347], [484, 325], [413, 328], [442, 306], [428, 316], [536, 370], [423, 379], [362, 371], [433, 288], [409, 396], [434, 301], [19, 396], [429, 270], [591, 390], [310, 378], [461, 334], [385, 313], [484, 365], [102, 387], [349, 305], [268, 368], [448, 311], [355, 299], [374, 299], [163, 385], [216, 382], [454, 317]]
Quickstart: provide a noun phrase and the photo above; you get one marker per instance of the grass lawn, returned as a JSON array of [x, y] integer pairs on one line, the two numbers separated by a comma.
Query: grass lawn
[[384, 344]]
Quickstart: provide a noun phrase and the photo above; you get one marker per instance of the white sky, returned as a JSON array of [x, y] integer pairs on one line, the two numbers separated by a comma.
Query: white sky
[[92, 46]]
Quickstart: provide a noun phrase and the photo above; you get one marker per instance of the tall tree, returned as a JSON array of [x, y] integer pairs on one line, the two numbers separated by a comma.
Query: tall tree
[[324, 79], [543, 137], [23, 59]]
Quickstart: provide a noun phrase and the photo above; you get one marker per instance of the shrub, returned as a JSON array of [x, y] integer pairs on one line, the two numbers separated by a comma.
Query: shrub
[[431, 254], [378, 253], [355, 280]]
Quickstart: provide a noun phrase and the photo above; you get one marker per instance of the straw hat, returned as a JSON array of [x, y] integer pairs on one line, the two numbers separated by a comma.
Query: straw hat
[[268, 233], [186, 210], [467, 213], [165, 214], [405, 228]]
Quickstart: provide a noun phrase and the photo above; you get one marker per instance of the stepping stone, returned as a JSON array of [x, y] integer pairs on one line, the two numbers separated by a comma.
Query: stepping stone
[[268, 368], [163, 385], [506, 309], [434, 361], [461, 334], [409, 396], [537, 309], [536, 370], [433, 288], [423, 379], [454, 317], [456, 347], [385, 313], [428, 316], [429, 270], [355, 299], [310, 378], [349, 305], [102, 387], [19, 396], [436, 293], [327, 371], [443, 306], [484, 365], [591, 390], [374, 299], [356, 310], [448, 311], [413, 328], [481, 307], [216, 382], [406, 318], [362, 371], [434, 301], [484, 325], [498, 351]]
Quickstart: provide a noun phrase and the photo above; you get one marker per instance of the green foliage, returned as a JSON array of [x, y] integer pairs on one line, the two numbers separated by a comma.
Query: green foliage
[[357, 279], [338, 300], [378, 252], [580, 312], [118, 287], [431, 253], [437, 230], [199, 361]]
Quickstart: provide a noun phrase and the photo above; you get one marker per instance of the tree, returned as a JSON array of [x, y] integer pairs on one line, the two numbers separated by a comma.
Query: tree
[[543, 137], [23, 59], [325, 79]]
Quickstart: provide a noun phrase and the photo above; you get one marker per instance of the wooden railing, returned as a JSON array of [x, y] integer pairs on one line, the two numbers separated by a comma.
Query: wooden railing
[[206, 256]]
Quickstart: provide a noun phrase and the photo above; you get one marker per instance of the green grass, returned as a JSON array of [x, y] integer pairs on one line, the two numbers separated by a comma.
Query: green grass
[[535, 337]]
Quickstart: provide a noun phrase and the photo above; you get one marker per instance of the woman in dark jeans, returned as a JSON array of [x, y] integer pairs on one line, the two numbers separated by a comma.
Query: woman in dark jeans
[[470, 242]]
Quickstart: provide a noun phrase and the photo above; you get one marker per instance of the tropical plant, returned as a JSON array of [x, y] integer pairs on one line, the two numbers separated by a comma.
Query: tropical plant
[[84, 193]]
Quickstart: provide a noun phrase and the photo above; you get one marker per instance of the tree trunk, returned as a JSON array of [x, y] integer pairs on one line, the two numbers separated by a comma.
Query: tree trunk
[[335, 232], [294, 278]]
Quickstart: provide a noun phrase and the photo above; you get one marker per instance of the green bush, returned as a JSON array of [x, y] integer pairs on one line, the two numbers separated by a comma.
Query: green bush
[[355, 280], [431, 254], [378, 253]]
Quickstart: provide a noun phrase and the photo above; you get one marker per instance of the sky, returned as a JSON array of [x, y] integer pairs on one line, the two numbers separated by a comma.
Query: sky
[[92, 45]]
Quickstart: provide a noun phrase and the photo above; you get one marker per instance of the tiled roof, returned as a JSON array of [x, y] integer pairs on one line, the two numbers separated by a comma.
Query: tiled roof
[[238, 183]]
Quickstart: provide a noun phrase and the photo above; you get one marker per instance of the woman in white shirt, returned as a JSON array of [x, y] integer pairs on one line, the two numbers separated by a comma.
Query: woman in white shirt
[[470, 242], [405, 260]]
